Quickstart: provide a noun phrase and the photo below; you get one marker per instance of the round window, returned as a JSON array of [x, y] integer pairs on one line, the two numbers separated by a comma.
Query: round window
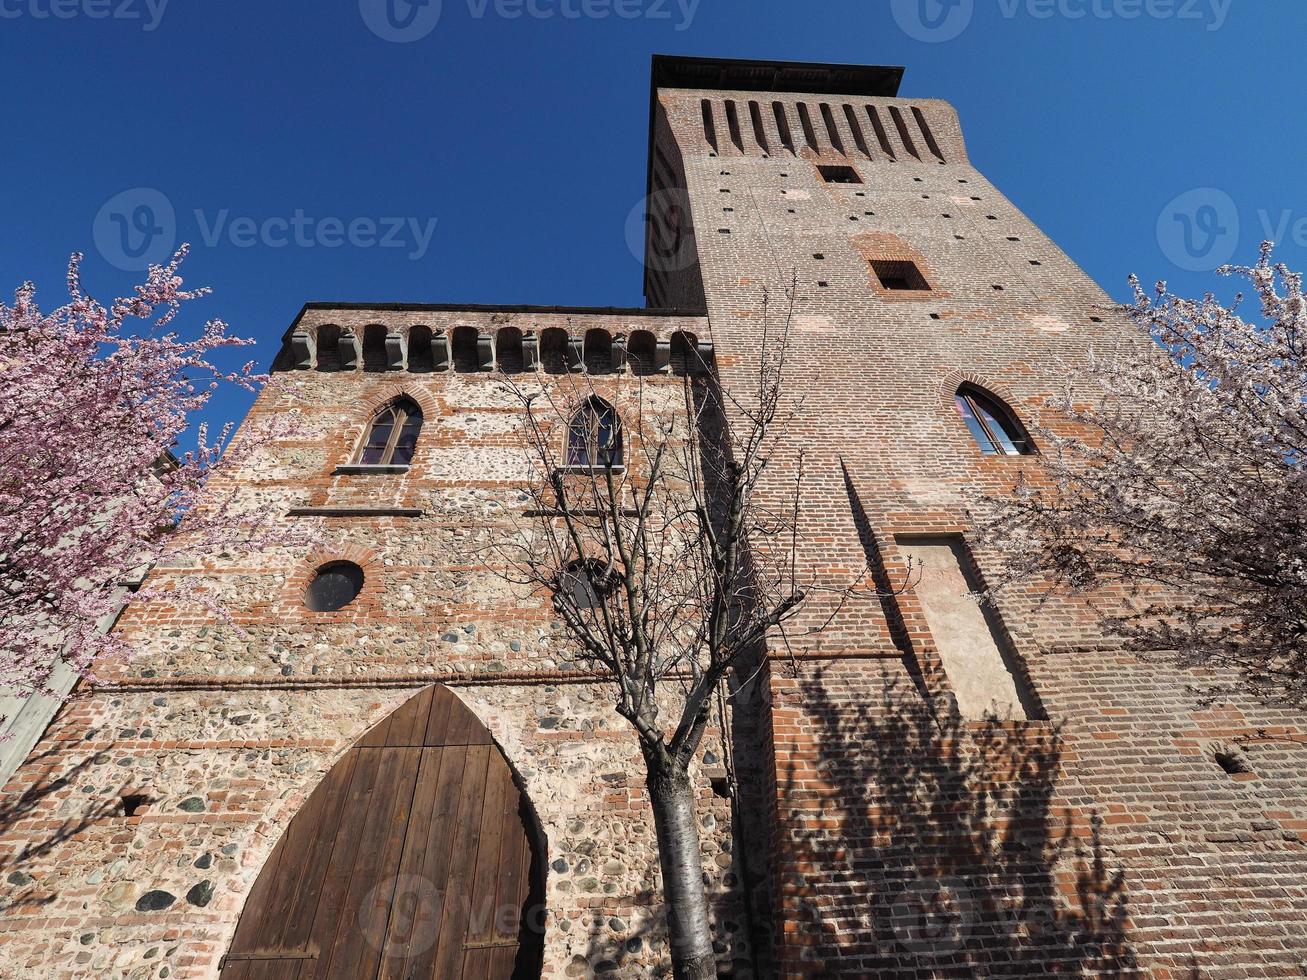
[[334, 587]]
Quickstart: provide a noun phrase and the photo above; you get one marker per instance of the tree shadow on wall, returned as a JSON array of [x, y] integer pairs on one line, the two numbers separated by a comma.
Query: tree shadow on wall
[[18, 889], [950, 822]]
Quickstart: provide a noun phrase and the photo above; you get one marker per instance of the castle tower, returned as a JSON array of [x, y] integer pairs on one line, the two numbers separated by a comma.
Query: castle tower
[[929, 323], [388, 740]]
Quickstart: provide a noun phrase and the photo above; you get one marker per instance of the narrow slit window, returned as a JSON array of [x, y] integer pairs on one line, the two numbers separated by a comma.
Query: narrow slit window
[[709, 125], [393, 436], [759, 134], [832, 130], [855, 127], [992, 424], [809, 134], [925, 131], [733, 124], [783, 125], [901, 125], [878, 127]]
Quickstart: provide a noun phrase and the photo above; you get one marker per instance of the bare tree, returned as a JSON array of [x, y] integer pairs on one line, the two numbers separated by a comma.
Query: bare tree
[[666, 565], [1179, 482]]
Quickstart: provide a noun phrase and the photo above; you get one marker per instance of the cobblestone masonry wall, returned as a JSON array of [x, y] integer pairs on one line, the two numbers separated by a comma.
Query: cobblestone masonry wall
[[227, 733], [1105, 840]]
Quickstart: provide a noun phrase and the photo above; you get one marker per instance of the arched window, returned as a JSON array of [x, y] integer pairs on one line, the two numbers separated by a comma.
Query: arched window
[[993, 425], [594, 437], [393, 435]]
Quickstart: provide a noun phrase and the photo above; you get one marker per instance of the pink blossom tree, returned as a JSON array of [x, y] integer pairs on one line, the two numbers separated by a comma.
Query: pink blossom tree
[[1185, 487], [94, 401]]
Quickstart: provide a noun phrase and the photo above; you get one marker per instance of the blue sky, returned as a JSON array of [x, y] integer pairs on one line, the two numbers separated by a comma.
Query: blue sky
[[286, 137]]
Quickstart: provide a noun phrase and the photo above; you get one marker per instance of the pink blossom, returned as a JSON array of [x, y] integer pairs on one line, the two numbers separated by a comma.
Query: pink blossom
[[93, 403]]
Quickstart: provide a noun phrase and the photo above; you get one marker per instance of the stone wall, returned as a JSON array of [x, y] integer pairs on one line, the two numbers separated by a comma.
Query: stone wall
[[225, 727]]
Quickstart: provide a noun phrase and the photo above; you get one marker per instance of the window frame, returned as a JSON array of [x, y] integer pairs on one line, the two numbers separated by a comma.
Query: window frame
[[405, 409], [596, 406], [984, 406]]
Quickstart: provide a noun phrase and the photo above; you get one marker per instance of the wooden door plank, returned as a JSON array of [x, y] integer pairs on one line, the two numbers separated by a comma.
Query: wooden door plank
[[454, 916], [440, 834], [365, 914], [476, 964], [416, 911], [408, 724], [438, 720], [514, 867], [503, 963], [311, 854], [340, 867], [483, 885], [465, 728], [264, 893]]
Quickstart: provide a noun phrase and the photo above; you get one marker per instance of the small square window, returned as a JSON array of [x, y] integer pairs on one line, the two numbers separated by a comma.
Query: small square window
[[839, 175], [899, 275]]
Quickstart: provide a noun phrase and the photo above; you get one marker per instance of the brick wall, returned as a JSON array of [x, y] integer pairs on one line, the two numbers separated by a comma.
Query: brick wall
[[1100, 838]]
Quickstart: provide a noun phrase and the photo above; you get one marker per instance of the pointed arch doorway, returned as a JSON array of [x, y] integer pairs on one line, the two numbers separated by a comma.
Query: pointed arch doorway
[[415, 858]]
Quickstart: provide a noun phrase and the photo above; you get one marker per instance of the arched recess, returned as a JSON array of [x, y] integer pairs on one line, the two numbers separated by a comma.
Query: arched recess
[[416, 857]]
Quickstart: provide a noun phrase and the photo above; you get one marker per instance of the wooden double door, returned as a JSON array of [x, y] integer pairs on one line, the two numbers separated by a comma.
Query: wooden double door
[[414, 859]]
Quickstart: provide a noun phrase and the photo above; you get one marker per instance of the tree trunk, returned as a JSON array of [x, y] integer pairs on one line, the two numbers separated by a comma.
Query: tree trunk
[[672, 795]]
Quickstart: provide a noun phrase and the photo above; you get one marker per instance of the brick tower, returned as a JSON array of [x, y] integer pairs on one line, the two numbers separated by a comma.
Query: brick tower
[[396, 738], [950, 791]]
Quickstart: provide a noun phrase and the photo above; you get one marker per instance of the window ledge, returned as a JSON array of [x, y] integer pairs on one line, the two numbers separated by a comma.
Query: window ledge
[[589, 470], [355, 512], [363, 469]]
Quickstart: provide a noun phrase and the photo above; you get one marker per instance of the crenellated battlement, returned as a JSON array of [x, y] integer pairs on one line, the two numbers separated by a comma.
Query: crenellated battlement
[[425, 339]]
